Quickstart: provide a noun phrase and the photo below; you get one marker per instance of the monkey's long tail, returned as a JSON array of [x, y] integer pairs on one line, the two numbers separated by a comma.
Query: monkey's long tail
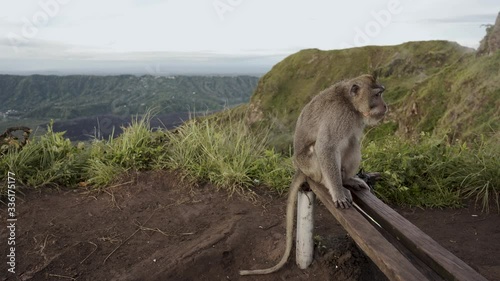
[[297, 181]]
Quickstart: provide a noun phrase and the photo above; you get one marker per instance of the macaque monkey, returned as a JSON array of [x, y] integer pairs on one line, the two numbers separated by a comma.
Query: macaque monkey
[[327, 145]]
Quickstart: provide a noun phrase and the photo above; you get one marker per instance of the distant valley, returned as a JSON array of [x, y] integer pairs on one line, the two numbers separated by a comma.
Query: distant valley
[[87, 105]]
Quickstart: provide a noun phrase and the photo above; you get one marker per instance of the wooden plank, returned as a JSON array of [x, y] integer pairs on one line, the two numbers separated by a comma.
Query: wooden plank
[[414, 260], [422, 245], [388, 259]]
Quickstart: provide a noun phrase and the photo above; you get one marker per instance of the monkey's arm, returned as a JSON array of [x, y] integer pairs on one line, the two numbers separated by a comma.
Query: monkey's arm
[[329, 158]]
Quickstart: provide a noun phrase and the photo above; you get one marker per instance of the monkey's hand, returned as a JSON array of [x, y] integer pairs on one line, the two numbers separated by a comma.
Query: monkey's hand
[[355, 183]]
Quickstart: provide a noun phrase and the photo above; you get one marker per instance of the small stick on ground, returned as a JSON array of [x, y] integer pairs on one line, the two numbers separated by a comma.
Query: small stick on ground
[[120, 184], [113, 199], [44, 244], [61, 276], [141, 227], [128, 238], [95, 249], [112, 252]]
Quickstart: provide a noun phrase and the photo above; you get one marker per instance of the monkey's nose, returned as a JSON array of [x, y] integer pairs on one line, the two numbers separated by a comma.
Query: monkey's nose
[[382, 87]]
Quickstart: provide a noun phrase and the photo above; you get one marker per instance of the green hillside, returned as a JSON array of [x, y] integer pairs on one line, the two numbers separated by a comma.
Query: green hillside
[[440, 143], [434, 86], [65, 97]]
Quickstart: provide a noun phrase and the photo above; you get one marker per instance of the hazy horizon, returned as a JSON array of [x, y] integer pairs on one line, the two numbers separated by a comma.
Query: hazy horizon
[[161, 67]]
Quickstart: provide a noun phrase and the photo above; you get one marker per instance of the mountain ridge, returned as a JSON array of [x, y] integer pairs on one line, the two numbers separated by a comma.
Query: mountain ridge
[[45, 97]]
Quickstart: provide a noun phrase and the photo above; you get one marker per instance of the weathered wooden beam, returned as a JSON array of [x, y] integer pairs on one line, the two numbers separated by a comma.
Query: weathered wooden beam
[[414, 260], [420, 244], [388, 259]]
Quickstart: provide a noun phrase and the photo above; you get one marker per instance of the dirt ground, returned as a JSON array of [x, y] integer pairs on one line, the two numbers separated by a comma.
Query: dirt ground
[[159, 229]]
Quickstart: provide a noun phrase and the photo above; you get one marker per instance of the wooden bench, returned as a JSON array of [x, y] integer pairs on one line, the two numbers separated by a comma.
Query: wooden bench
[[399, 249]]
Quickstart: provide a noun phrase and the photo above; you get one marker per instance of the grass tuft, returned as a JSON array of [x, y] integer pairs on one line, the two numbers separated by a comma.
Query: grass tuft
[[226, 154], [50, 160], [136, 148]]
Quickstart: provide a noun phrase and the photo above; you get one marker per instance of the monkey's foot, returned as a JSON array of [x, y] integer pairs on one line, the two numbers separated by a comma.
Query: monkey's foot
[[355, 183], [369, 178], [343, 201], [347, 194]]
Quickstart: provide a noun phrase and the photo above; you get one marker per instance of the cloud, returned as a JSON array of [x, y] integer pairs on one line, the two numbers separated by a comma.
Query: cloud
[[12, 48], [8, 24], [473, 18], [50, 57]]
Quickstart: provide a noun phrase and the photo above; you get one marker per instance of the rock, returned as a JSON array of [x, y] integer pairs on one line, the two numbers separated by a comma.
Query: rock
[[491, 42]]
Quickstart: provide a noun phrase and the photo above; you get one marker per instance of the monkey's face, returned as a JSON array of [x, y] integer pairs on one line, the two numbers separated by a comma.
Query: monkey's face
[[367, 99]]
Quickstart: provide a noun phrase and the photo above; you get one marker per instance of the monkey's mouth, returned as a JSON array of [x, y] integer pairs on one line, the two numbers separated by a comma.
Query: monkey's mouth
[[374, 117], [378, 114]]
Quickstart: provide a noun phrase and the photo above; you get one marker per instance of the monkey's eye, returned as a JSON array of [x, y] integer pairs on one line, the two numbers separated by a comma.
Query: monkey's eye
[[379, 91]]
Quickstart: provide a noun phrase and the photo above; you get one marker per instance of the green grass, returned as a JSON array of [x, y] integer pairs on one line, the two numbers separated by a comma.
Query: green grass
[[137, 148], [431, 172], [224, 151], [226, 154], [50, 160], [229, 156]]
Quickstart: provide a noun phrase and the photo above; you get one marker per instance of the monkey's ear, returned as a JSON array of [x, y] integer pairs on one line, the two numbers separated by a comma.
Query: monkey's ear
[[354, 90]]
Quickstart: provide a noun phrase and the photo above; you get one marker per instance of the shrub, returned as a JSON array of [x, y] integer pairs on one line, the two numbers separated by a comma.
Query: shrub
[[431, 172], [50, 160]]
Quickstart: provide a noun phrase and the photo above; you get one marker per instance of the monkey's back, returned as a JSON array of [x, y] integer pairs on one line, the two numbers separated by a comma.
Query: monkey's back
[[331, 105]]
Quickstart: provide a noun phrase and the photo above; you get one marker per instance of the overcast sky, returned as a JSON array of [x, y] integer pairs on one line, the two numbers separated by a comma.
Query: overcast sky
[[160, 36]]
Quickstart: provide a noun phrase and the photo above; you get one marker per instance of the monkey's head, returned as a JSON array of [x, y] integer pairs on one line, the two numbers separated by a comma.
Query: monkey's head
[[366, 97]]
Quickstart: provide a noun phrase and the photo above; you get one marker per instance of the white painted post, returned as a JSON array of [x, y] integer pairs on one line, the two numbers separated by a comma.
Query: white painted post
[[305, 225]]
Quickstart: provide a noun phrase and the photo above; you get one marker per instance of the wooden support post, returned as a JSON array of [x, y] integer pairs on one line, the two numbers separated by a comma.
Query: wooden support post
[[305, 226]]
